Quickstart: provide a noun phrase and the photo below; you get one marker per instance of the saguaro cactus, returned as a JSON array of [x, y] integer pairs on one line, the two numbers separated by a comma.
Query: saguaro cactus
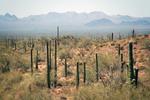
[[50, 55], [133, 33], [119, 37], [55, 75], [121, 60], [77, 76], [66, 72], [48, 67], [31, 60], [58, 35], [131, 61], [37, 59], [84, 79], [119, 49], [97, 67], [112, 36], [136, 76]]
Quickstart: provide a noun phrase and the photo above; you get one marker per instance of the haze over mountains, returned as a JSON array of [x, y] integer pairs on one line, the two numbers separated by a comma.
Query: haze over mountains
[[73, 22]]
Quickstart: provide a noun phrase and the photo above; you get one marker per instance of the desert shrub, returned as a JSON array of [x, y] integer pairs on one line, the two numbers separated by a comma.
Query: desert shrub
[[146, 44]]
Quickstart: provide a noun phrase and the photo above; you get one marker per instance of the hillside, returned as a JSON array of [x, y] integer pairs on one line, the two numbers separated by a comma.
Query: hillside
[[18, 83]]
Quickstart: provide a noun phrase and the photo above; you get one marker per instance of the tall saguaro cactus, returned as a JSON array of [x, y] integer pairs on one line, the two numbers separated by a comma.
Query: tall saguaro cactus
[[58, 35], [55, 74], [121, 60], [112, 36], [97, 67], [133, 33], [131, 61], [119, 49], [136, 76], [48, 67], [37, 59], [84, 79], [66, 72], [31, 60], [77, 76]]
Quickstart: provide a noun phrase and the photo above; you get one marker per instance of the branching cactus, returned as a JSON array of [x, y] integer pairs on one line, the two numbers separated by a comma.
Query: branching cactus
[[77, 76], [97, 67], [48, 67], [55, 74], [84, 78], [131, 61]]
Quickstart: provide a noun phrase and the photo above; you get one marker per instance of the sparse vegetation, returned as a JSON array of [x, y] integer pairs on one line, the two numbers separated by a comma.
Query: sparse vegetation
[[106, 77]]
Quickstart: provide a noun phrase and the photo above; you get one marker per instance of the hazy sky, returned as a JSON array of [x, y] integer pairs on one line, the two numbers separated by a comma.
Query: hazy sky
[[23, 8]]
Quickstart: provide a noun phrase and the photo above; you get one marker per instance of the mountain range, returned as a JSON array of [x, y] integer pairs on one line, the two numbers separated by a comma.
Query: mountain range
[[71, 22]]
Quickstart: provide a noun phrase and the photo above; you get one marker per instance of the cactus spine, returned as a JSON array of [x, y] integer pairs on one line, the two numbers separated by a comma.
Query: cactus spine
[[66, 72], [131, 61], [84, 79], [55, 74], [96, 67], [48, 67], [77, 76]]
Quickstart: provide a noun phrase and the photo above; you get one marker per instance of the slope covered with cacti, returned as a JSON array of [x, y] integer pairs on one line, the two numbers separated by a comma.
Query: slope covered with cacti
[[79, 68]]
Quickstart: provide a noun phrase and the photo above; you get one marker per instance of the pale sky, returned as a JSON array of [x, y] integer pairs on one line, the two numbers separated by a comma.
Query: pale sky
[[22, 8]]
